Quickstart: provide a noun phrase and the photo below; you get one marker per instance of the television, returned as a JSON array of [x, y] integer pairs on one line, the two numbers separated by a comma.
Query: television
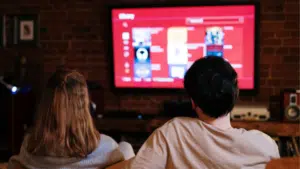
[[153, 46]]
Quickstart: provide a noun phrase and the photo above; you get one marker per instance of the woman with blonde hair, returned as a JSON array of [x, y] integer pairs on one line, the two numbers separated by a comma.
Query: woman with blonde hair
[[64, 135]]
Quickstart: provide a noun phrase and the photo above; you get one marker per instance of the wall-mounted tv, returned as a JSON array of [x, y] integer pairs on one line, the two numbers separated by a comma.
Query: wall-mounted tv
[[152, 47]]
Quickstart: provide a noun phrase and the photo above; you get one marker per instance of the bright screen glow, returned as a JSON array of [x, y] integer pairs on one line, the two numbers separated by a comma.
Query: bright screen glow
[[154, 47]]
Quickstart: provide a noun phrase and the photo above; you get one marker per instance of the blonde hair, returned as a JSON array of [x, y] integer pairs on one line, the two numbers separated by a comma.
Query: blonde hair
[[63, 125]]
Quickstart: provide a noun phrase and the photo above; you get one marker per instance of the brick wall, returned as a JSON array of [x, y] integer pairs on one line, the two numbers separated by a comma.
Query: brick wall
[[73, 33]]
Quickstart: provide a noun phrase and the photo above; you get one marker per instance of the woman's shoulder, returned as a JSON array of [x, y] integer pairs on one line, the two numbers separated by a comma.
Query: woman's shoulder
[[107, 147], [107, 143], [105, 139]]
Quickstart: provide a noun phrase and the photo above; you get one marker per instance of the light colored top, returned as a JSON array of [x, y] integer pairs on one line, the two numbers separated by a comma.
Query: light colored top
[[106, 154], [189, 143]]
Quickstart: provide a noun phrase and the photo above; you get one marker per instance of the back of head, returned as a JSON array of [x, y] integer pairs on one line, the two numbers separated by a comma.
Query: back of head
[[63, 124], [211, 82]]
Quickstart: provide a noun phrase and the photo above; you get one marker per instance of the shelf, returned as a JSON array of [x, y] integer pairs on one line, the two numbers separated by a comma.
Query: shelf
[[271, 128], [287, 162], [132, 125]]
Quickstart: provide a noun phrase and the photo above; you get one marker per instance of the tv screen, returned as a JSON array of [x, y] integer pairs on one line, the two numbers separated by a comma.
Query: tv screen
[[154, 47]]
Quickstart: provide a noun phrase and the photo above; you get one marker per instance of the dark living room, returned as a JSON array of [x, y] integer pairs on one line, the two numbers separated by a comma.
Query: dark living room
[[85, 35]]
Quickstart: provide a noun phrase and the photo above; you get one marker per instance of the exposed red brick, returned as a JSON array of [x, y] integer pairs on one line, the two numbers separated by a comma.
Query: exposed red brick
[[51, 67], [53, 15], [29, 8], [274, 82], [61, 46], [290, 25], [291, 83], [97, 58], [291, 59], [271, 59], [47, 7], [48, 58], [264, 93], [268, 35], [294, 51], [272, 17], [292, 8], [90, 45], [245, 99], [84, 24], [291, 72], [264, 67], [291, 42], [283, 34], [99, 75], [285, 67], [276, 91], [272, 26], [268, 50], [271, 42], [264, 74], [293, 2], [282, 51], [75, 58], [292, 17], [79, 16], [275, 7], [263, 82]]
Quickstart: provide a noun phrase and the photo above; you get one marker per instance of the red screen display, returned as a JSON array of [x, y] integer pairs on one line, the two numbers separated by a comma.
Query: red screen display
[[154, 47]]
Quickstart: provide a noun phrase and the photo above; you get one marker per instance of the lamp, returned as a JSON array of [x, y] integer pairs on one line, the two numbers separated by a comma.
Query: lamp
[[12, 88]]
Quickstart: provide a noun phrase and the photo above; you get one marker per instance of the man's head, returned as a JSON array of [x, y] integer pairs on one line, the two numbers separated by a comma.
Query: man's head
[[211, 83]]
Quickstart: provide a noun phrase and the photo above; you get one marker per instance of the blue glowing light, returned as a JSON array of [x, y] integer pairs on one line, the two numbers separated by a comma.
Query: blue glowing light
[[140, 117], [14, 90]]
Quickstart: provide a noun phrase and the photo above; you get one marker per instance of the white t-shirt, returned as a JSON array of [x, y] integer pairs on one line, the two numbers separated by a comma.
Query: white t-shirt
[[189, 143], [107, 153]]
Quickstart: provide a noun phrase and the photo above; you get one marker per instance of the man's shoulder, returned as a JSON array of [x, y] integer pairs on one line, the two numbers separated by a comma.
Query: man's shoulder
[[180, 120], [263, 141], [261, 136], [177, 122], [253, 137]]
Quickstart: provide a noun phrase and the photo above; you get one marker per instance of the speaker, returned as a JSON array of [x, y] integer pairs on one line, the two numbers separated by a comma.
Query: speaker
[[290, 105]]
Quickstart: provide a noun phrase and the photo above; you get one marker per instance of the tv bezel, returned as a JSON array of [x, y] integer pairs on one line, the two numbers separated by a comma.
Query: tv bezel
[[136, 90]]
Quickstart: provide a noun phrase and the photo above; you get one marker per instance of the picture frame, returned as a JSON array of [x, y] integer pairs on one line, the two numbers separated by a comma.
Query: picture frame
[[2, 31], [26, 30]]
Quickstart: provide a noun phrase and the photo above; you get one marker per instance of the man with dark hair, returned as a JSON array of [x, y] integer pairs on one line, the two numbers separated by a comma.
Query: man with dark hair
[[209, 141], [212, 85]]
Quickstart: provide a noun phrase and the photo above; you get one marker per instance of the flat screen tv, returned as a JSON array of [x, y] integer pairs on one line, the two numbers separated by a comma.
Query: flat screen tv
[[153, 47]]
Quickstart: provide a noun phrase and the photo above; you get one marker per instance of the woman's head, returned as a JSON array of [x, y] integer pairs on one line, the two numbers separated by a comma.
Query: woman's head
[[211, 82], [63, 124]]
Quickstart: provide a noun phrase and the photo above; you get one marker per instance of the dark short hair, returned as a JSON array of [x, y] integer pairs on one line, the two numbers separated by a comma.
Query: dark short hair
[[211, 82]]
